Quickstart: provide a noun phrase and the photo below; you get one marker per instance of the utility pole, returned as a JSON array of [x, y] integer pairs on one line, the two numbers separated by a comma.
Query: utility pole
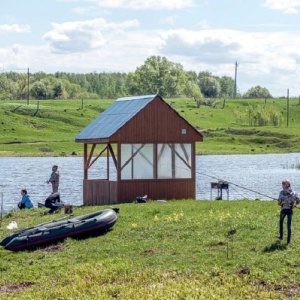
[[287, 107], [235, 78], [27, 86]]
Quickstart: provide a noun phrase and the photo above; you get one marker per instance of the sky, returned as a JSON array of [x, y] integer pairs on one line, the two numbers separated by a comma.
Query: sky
[[255, 41]]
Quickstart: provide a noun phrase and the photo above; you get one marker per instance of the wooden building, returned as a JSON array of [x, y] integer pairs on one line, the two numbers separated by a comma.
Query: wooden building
[[152, 149]]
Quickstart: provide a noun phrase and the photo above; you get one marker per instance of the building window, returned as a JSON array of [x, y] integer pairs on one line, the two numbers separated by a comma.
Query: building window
[[137, 161], [174, 161]]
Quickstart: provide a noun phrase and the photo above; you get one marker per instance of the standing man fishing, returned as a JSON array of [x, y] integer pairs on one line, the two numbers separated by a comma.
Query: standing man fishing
[[54, 179], [287, 200]]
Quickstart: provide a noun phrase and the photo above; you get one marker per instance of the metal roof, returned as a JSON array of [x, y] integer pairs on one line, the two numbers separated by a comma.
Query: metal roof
[[114, 117]]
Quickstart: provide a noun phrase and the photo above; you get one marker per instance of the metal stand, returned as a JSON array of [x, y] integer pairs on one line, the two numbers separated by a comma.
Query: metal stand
[[220, 186]]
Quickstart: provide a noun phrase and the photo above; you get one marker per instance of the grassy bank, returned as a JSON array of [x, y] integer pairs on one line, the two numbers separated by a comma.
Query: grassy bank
[[48, 128], [175, 250]]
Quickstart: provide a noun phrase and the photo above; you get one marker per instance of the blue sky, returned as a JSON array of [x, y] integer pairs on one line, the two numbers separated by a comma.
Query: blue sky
[[82, 36]]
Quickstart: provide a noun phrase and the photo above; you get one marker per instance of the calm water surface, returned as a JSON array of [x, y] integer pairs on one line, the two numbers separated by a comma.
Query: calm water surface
[[249, 176]]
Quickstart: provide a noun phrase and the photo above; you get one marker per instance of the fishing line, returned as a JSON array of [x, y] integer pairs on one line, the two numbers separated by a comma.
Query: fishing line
[[237, 185], [237, 192], [231, 183]]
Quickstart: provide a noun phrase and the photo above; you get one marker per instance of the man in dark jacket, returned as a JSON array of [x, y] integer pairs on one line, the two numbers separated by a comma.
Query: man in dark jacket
[[53, 202]]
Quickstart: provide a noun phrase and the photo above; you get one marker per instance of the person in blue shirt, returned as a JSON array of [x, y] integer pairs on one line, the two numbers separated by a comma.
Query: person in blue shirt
[[287, 199], [25, 202]]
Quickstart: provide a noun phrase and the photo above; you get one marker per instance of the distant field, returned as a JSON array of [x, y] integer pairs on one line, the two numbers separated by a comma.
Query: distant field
[[48, 128]]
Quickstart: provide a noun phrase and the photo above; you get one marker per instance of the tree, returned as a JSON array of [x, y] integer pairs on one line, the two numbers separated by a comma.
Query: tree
[[192, 90], [191, 76], [58, 90], [227, 86], [7, 88], [158, 76], [257, 92], [204, 74], [209, 86], [39, 90], [22, 84]]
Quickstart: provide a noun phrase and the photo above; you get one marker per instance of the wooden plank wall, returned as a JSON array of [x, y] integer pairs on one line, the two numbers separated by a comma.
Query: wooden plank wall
[[103, 192], [161, 189], [157, 123], [99, 192]]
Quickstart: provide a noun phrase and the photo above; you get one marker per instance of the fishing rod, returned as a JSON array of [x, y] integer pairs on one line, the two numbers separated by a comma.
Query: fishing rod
[[237, 185], [232, 183], [1, 209]]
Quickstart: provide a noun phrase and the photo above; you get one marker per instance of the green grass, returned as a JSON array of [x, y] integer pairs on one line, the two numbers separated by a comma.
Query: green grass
[[224, 135], [173, 250], [48, 128], [45, 129]]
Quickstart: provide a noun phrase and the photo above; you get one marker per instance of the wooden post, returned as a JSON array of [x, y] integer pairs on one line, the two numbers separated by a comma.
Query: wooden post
[[85, 175], [107, 162]]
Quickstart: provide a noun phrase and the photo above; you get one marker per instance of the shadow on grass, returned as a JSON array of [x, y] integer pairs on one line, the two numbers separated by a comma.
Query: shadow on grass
[[275, 246]]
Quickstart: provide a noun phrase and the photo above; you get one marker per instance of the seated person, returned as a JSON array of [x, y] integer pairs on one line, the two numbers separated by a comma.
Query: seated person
[[25, 201], [53, 202]]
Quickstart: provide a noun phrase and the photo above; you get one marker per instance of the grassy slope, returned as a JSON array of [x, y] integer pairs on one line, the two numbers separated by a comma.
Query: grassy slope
[[173, 250], [51, 130], [223, 135]]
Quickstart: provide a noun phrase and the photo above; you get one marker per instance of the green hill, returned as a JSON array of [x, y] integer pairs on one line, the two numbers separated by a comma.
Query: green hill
[[48, 128]]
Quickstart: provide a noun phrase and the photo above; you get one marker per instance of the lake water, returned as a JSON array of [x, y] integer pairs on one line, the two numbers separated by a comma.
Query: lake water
[[249, 176]]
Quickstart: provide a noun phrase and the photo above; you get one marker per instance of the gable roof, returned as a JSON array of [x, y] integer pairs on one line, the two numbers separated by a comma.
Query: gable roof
[[139, 118], [114, 117]]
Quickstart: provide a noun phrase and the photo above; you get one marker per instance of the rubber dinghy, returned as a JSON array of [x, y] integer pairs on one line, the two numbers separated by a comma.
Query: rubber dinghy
[[42, 234]]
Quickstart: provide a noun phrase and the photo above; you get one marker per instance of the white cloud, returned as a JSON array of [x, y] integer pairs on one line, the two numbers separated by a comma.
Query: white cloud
[[203, 24], [170, 20], [223, 45], [145, 4], [14, 28], [84, 35], [257, 53], [101, 46], [90, 10], [17, 57], [287, 6], [121, 54]]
